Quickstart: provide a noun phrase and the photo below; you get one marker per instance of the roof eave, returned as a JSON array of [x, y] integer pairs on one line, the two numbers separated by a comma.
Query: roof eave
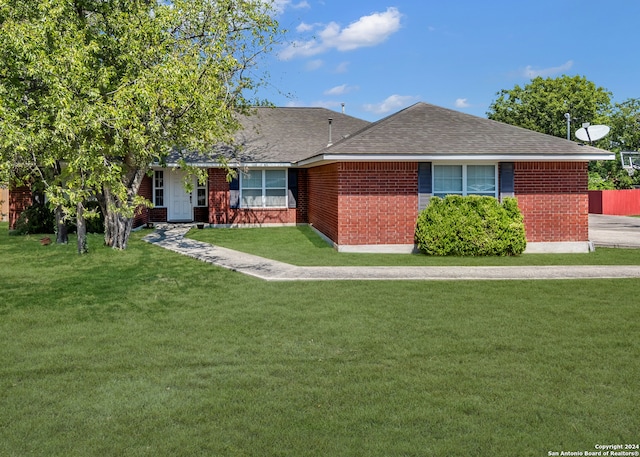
[[533, 157]]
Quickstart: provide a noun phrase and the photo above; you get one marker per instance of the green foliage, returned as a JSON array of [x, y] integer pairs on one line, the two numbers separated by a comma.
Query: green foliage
[[471, 226], [112, 87], [624, 136], [625, 126], [608, 174], [597, 182], [37, 218], [542, 104], [94, 219]]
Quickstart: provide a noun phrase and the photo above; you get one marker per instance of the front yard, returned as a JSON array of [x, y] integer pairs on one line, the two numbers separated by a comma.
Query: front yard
[[302, 246], [148, 353]]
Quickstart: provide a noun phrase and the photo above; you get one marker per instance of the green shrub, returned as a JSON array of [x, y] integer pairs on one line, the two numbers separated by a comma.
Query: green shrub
[[471, 226], [37, 218]]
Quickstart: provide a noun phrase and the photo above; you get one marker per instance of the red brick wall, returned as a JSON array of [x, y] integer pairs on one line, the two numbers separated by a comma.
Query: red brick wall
[[378, 203], [302, 210], [158, 215], [19, 200], [142, 214], [220, 211], [323, 187], [553, 199], [218, 196]]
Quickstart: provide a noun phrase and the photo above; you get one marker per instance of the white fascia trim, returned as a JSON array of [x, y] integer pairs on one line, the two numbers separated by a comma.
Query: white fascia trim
[[260, 165], [231, 165], [455, 157]]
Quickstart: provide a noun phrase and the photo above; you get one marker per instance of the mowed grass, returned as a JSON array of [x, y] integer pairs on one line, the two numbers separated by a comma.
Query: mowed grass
[[302, 246], [148, 353]]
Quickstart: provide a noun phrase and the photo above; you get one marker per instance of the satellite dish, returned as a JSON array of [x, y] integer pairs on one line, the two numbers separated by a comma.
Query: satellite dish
[[592, 132]]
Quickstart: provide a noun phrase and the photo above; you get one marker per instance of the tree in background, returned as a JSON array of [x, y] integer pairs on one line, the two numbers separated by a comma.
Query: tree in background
[[109, 87], [541, 106]]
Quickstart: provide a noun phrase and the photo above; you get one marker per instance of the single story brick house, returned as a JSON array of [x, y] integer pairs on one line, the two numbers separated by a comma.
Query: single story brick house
[[361, 185]]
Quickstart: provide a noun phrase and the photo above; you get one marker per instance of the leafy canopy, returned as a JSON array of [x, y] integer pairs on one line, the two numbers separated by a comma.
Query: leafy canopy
[[112, 86], [541, 104]]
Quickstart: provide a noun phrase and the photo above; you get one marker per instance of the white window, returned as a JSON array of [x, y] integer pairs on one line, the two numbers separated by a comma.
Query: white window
[[263, 189], [158, 188], [465, 180], [201, 194]]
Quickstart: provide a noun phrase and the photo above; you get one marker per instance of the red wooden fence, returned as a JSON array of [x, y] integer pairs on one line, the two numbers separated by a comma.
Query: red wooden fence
[[615, 202]]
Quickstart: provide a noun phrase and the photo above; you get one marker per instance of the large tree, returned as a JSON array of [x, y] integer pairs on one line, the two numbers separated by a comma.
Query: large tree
[[108, 87], [541, 104], [624, 136]]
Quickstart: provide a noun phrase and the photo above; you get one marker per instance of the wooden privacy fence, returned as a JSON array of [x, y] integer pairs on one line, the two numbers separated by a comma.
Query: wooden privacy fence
[[615, 202]]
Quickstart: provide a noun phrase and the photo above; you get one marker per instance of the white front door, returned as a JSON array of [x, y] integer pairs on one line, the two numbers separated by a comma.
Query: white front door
[[180, 201]]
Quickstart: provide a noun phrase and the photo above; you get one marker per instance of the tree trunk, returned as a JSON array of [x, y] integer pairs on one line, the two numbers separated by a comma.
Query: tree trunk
[[62, 236], [118, 214], [81, 230], [117, 227]]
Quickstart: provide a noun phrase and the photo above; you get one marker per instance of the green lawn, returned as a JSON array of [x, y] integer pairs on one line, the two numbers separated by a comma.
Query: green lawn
[[302, 246], [148, 353]]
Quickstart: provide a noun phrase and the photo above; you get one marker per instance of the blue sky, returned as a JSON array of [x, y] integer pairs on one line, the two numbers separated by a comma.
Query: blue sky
[[379, 56]]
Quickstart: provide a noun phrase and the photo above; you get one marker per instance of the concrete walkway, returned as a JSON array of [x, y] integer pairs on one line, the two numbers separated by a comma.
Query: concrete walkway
[[171, 237]]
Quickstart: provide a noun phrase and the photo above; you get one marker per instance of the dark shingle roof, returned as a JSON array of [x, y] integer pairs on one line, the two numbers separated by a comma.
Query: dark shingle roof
[[429, 129], [291, 134], [419, 132]]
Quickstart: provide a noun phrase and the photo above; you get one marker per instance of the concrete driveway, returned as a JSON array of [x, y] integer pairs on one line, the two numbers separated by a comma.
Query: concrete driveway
[[614, 231]]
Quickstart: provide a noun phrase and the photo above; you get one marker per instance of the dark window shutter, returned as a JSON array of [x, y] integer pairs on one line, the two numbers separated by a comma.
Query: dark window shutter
[[506, 179], [234, 191], [424, 185], [293, 187]]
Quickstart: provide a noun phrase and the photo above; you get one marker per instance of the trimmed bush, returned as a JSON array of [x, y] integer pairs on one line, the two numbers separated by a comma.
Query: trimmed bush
[[471, 226]]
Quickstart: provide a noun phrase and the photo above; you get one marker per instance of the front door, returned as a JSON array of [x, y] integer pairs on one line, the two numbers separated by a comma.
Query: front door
[[181, 202]]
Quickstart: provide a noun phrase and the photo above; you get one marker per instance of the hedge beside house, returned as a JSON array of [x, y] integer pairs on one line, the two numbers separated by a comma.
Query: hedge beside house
[[471, 226]]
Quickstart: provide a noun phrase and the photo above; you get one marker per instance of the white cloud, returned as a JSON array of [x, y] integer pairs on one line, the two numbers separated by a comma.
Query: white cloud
[[304, 27], [340, 90], [391, 104], [343, 67], [302, 5], [365, 32], [314, 65], [530, 72], [280, 5], [462, 103]]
